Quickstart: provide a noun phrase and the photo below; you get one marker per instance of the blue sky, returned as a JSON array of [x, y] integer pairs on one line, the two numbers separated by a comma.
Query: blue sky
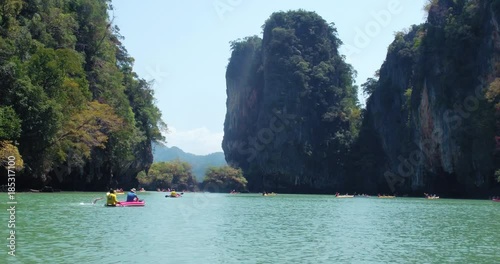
[[184, 47]]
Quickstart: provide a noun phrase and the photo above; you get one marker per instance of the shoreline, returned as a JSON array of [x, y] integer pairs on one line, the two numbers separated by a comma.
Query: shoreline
[[277, 194]]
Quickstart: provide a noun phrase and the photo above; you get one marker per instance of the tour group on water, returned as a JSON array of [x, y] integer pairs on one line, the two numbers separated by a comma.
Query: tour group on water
[[133, 199]]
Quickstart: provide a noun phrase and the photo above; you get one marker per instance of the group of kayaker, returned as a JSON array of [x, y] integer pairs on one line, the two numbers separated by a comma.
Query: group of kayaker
[[112, 201], [430, 196]]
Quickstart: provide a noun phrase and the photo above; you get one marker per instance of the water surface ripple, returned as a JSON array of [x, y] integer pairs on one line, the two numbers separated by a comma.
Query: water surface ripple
[[249, 228]]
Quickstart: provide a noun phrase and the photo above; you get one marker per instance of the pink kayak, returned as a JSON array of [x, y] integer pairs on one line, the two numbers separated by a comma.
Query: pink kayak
[[496, 200], [139, 203]]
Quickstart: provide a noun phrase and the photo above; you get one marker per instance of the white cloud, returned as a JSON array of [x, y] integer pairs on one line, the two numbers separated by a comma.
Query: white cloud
[[199, 141]]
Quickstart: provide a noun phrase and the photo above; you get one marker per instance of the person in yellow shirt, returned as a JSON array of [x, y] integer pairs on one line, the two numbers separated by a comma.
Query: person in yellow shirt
[[111, 198]]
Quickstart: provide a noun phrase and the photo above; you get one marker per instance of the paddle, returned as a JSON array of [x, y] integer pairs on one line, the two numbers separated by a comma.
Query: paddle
[[177, 195], [97, 199]]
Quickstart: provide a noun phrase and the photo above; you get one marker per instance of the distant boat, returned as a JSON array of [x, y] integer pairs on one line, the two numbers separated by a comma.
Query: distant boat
[[431, 197], [496, 200], [345, 196], [338, 195], [386, 196], [174, 195]]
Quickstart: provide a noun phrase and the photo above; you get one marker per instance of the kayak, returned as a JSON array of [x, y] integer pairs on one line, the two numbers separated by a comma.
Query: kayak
[[175, 195], [126, 204], [432, 197], [345, 196], [495, 200], [386, 197]]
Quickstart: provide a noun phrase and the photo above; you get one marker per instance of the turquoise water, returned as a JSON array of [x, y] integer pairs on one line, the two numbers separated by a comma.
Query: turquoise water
[[249, 228]]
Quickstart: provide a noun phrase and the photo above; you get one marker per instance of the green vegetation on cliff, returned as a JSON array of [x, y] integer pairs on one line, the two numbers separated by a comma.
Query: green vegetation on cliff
[[70, 102], [292, 106]]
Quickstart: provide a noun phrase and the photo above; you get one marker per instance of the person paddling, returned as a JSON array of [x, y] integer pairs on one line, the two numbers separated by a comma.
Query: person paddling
[[132, 196], [111, 198]]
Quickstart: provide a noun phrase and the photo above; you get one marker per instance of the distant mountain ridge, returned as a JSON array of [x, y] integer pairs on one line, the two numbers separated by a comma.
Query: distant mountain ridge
[[199, 162]]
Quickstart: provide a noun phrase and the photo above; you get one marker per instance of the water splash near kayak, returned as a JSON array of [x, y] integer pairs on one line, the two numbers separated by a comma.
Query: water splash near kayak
[[94, 201]]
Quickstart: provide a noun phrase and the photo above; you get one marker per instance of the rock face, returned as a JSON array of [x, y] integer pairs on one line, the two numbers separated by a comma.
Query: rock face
[[431, 117], [431, 122], [292, 110]]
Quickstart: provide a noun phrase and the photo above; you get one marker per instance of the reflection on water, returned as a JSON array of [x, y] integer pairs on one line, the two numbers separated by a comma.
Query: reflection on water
[[246, 228]]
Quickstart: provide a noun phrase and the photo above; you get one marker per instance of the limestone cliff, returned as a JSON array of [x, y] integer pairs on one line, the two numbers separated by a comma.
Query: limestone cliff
[[432, 107], [291, 110]]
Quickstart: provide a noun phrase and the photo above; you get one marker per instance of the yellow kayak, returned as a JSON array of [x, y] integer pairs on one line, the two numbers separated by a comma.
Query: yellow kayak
[[386, 197]]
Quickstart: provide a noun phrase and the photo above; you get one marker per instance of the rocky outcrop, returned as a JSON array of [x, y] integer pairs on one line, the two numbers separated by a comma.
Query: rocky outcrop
[[291, 108]]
